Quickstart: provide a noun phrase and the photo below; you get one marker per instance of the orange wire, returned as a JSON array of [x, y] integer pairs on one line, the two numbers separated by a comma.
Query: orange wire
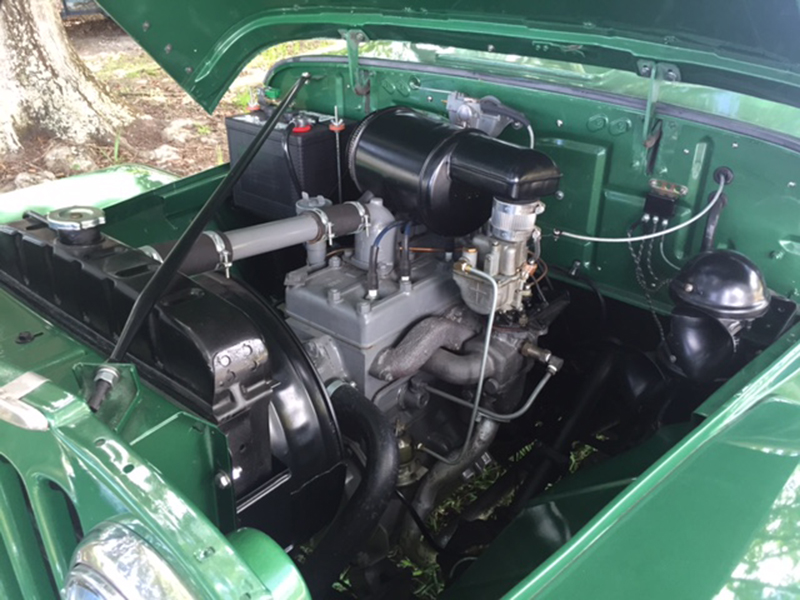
[[545, 270], [427, 249], [337, 251]]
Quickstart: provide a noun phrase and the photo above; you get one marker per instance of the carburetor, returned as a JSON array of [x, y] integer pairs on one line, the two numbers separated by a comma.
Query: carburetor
[[501, 252], [453, 180]]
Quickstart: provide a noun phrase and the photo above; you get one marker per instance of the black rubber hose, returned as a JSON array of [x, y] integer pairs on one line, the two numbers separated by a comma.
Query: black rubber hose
[[202, 258], [362, 421], [587, 399]]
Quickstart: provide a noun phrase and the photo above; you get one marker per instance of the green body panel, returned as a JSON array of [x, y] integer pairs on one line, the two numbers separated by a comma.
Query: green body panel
[[605, 175], [679, 530], [204, 45], [102, 189], [554, 517], [778, 117], [140, 460], [715, 518], [716, 515]]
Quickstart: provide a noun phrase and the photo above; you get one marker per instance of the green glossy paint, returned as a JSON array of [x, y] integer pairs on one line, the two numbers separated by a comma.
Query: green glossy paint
[[715, 518], [700, 522], [605, 168], [705, 99], [102, 189], [203, 46], [140, 460]]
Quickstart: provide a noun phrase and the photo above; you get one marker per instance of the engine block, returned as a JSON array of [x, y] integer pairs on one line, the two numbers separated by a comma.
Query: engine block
[[343, 332]]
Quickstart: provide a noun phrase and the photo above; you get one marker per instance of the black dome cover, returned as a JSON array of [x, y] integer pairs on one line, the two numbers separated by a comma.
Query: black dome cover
[[722, 283]]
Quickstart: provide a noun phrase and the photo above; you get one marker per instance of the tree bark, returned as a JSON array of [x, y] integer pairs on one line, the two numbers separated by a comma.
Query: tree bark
[[44, 86]]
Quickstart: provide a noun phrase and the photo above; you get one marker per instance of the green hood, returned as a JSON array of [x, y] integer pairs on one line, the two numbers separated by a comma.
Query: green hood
[[741, 45]]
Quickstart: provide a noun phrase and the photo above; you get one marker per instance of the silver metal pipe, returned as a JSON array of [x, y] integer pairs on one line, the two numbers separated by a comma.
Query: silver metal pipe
[[490, 414], [476, 405], [267, 237]]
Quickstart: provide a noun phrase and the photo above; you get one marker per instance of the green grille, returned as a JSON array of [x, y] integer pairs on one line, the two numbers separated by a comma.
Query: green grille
[[39, 531]]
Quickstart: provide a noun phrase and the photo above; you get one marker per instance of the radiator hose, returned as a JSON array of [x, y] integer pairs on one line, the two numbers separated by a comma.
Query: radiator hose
[[361, 421]]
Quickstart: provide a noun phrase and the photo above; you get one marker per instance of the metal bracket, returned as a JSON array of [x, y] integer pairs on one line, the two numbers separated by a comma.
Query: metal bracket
[[123, 398], [359, 78], [656, 73]]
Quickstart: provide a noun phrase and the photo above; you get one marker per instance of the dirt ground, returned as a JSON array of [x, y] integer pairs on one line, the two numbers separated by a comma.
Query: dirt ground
[[169, 129]]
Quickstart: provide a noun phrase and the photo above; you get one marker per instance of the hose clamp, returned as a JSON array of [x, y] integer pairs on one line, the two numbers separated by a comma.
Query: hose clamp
[[335, 385], [325, 224], [224, 253], [364, 214]]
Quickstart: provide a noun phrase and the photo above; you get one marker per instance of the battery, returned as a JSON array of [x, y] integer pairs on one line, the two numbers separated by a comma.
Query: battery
[[267, 188]]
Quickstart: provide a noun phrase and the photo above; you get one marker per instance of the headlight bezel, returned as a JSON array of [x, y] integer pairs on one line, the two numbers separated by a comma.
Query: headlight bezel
[[114, 562]]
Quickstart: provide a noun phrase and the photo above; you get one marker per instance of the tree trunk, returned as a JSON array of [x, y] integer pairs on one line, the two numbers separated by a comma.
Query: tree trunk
[[44, 86]]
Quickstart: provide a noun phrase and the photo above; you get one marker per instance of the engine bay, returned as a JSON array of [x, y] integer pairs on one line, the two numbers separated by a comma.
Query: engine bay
[[387, 323]]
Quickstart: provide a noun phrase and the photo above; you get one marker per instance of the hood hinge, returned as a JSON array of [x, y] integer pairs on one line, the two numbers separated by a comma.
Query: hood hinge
[[652, 130], [656, 73], [359, 78]]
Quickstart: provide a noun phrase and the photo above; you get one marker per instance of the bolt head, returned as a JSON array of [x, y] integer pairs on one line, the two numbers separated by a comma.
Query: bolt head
[[222, 480]]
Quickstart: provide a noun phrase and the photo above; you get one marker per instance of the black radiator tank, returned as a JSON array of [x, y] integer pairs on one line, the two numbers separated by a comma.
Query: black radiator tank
[[214, 347]]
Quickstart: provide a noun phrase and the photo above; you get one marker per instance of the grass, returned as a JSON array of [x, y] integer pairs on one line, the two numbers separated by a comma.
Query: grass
[[428, 581], [241, 98], [270, 56], [115, 157], [129, 66], [465, 495]]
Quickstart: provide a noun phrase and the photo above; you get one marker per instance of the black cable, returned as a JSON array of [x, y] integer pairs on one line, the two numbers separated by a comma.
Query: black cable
[[405, 252], [372, 270], [591, 284], [426, 532], [166, 272], [289, 160]]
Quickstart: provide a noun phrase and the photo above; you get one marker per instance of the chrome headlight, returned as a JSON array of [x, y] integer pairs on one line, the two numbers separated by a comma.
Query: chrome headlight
[[115, 563]]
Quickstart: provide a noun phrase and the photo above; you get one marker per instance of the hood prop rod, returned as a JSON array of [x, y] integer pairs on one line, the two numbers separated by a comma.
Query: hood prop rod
[[166, 272]]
